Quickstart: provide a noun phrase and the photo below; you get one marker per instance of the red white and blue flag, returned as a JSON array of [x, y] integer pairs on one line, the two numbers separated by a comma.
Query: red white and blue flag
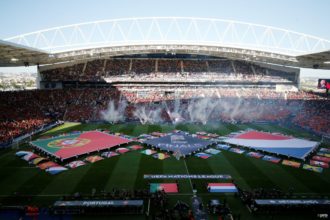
[[319, 163], [221, 188], [273, 143], [271, 159], [323, 159]]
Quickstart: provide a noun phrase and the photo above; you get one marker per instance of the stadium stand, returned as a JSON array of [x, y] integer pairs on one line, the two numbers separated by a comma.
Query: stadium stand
[[28, 110], [155, 70], [144, 81]]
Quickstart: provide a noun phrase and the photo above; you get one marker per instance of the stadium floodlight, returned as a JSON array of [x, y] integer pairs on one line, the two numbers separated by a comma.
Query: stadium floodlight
[[13, 59]]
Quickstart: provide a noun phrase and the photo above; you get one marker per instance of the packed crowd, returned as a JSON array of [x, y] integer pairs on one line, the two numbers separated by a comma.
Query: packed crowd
[[93, 71], [25, 111], [160, 70], [19, 114], [116, 67], [314, 116], [143, 93], [69, 73], [169, 66]]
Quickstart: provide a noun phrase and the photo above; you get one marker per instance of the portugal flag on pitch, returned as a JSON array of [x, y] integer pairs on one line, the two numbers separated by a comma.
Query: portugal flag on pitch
[[64, 147], [167, 187]]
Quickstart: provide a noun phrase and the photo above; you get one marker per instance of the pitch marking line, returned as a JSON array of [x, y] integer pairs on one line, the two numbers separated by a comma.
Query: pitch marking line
[[185, 164]]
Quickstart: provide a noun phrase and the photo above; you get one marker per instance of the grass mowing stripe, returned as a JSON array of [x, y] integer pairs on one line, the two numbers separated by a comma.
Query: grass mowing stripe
[[11, 166], [148, 165], [7, 156], [277, 173], [29, 187], [11, 172], [136, 130], [233, 127], [134, 165], [167, 128], [127, 129], [223, 129], [174, 166], [66, 182], [153, 128], [185, 164], [248, 171], [14, 182], [97, 175], [123, 174], [185, 127], [199, 166], [310, 179], [117, 128], [220, 165]]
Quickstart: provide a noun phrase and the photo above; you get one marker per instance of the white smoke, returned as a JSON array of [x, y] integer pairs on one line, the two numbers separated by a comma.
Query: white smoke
[[202, 110], [147, 115], [175, 115], [114, 114]]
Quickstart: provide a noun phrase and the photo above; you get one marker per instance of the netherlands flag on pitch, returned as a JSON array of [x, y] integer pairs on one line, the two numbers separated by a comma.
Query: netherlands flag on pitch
[[56, 170], [273, 143], [221, 188]]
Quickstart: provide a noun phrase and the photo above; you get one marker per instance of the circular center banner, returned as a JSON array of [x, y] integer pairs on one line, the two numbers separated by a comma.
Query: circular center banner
[[68, 142]]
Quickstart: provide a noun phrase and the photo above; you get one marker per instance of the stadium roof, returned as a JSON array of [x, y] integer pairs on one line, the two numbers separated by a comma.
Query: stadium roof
[[176, 35], [12, 54]]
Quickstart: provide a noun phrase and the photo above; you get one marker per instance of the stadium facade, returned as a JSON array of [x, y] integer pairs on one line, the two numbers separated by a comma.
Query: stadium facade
[[73, 48], [167, 63], [230, 86]]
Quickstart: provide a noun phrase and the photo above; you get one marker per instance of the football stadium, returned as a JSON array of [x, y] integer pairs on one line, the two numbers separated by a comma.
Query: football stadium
[[165, 118]]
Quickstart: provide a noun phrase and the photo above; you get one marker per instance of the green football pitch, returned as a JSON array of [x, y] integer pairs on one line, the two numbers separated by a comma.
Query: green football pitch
[[126, 171]]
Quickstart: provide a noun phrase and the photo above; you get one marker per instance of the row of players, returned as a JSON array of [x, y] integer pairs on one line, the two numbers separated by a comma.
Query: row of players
[[24, 111], [168, 70]]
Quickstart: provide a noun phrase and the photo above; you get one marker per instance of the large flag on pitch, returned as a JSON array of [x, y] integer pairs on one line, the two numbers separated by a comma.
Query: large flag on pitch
[[291, 163], [75, 164], [271, 159], [274, 143], [65, 147], [56, 170], [319, 163], [323, 159], [312, 168], [222, 187], [167, 187], [325, 150]]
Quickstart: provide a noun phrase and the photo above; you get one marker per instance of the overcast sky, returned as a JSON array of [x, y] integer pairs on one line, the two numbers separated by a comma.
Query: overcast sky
[[306, 16]]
